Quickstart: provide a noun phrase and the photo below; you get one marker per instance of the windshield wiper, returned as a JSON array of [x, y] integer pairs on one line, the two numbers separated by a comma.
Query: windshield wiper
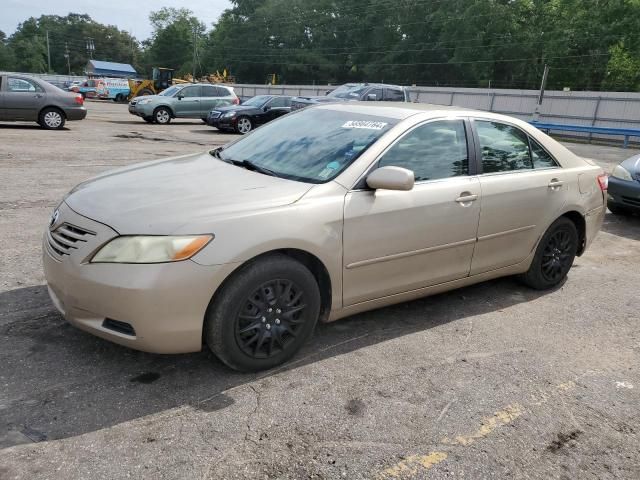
[[249, 165]]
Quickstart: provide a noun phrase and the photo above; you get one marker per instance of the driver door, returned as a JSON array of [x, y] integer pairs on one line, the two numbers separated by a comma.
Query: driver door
[[397, 241], [187, 102]]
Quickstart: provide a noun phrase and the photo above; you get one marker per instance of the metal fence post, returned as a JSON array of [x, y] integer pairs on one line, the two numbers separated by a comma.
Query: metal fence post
[[595, 117]]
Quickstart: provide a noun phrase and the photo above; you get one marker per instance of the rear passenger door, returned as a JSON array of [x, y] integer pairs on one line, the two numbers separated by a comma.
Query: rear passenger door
[[523, 191], [210, 99]]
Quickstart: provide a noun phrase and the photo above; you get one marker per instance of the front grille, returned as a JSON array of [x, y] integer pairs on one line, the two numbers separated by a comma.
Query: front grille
[[214, 114], [66, 238], [631, 201]]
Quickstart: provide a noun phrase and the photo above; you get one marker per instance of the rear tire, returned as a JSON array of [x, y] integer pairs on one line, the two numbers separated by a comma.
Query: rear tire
[[162, 115], [51, 119], [554, 256], [263, 314]]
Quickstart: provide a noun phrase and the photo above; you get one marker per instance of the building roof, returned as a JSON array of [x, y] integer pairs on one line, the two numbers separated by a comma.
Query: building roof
[[98, 66]]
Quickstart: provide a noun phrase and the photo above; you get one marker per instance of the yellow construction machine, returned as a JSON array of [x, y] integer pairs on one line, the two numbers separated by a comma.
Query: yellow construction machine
[[161, 79]]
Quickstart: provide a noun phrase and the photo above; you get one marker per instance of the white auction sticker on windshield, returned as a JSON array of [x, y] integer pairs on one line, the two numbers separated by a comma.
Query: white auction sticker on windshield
[[364, 124]]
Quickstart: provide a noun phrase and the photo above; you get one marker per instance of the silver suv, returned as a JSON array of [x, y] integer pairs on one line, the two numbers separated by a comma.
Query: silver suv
[[189, 100]]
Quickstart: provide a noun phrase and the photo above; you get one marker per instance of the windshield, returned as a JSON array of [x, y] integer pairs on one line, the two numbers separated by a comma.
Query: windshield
[[257, 101], [170, 91], [348, 91], [312, 146]]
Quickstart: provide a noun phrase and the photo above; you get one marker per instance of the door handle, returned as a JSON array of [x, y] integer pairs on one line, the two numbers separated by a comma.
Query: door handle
[[555, 184], [466, 197]]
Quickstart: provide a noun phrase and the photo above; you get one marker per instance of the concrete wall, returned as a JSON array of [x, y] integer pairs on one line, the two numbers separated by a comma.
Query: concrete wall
[[601, 109]]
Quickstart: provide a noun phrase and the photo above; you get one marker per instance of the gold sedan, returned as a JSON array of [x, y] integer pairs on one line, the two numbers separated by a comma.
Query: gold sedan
[[324, 213]]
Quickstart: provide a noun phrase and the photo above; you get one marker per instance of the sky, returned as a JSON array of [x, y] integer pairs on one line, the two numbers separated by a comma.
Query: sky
[[129, 15]]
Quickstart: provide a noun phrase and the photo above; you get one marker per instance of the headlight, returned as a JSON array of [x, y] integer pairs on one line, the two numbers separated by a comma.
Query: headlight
[[229, 114], [143, 101], [151, 249], [622, 173]]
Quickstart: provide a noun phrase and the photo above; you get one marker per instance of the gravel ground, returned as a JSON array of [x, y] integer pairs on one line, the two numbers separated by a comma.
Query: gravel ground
[[491, 381]]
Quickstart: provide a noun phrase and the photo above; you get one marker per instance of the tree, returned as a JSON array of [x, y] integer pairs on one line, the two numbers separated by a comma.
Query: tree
[[7, 59], [172, 42], [69, 33]]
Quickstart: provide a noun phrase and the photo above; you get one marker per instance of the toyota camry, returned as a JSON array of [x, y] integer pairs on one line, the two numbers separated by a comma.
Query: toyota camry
[[323, 213]]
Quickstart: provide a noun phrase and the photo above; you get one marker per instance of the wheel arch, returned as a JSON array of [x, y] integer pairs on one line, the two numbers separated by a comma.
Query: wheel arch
[[581, 226], [168, 107], [54, 107], [309, 260]]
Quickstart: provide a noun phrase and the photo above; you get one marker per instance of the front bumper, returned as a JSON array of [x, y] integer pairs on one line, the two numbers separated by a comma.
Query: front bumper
[[228, 123], [624, 193], [165, 304]]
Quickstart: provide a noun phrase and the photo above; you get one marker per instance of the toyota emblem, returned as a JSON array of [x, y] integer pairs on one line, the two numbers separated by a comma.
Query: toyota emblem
[[54, 218]]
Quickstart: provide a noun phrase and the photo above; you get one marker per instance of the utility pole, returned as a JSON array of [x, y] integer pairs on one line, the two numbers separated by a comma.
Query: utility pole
[[194, 53], [90, 47], [543, 86], [66, 55], [48, 52]]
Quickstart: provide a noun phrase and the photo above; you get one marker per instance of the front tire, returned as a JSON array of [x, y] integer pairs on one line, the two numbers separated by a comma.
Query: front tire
[[162, 115], [244, 125], [263, 314], [51, 119], [554, 256]]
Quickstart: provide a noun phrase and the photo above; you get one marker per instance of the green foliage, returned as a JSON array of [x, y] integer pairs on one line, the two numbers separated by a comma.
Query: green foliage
[[172, 42], [69, 33], [589, 44], [7, 58]]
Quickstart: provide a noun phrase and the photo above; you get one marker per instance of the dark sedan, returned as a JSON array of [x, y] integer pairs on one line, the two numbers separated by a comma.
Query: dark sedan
[[255, 111], [25, 98], [624, 187]]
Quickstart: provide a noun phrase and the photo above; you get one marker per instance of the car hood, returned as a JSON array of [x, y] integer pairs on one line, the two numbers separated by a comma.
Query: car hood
[[178, 195]]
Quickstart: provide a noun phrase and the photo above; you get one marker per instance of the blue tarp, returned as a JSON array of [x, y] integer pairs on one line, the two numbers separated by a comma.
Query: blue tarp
[[110, 69]]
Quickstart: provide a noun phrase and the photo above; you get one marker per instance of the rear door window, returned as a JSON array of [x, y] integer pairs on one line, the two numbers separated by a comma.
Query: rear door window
[[22, 85], [209, 91], [505, 148], [541, 158]]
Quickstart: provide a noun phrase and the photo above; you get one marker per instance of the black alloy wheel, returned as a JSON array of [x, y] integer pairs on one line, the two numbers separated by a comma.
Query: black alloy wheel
[[557, 256], [263, 313], [270, 319], [554, 256]]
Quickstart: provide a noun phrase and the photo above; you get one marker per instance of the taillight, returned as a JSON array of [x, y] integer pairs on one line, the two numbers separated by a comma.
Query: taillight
[[236, 101], [603, 182], [79, 100]]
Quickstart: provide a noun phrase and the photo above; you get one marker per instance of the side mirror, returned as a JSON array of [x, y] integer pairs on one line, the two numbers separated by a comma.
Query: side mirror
[[180, 97], [266, 108], [391, 178], [372, 97]]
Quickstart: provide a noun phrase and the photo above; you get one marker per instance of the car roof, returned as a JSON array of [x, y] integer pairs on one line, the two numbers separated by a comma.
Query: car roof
[[399, 110]]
